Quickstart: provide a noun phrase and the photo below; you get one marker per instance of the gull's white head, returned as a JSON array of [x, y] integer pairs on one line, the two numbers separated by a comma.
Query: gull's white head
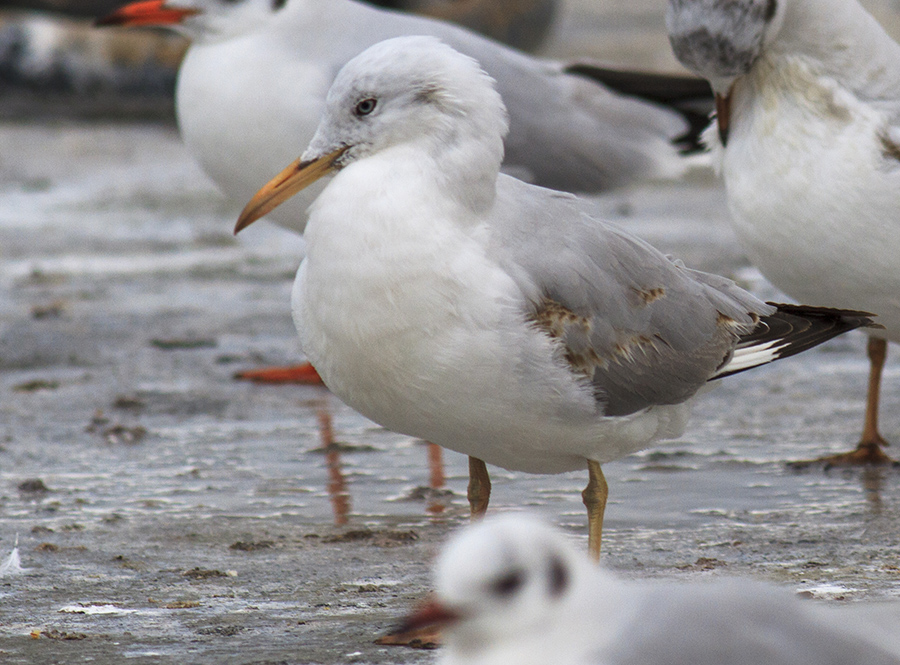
[[411, 90], [504, 583], [721, 39], [199, 20], [415, 92]]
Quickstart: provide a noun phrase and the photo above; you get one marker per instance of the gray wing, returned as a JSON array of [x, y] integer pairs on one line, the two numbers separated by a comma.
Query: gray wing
[[566, 132], [734, 623], [642, 328]]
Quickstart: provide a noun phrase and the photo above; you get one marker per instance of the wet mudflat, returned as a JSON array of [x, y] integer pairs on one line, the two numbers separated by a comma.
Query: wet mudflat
[[167, 513]]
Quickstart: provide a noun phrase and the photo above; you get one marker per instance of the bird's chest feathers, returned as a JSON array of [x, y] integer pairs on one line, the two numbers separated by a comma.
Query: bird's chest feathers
[[791, 121], [390, 270], [808, 165]]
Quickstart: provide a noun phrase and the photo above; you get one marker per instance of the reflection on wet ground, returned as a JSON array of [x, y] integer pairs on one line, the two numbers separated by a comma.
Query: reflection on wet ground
[[194, 518]]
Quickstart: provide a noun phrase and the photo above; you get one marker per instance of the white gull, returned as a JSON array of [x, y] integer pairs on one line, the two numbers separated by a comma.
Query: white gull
[[445, 300], [808, 143], [512, 590]]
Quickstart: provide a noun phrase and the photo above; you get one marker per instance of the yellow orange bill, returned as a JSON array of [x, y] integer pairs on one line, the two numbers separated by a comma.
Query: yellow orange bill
[[279, 189], [723, 115]]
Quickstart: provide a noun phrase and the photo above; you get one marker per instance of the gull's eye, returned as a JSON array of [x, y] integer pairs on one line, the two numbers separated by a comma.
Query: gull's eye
[[365, 107], [508, 584]]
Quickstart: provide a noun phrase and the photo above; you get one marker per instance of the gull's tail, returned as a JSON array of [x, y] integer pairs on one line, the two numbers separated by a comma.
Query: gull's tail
[[689, 95], [791, 330]]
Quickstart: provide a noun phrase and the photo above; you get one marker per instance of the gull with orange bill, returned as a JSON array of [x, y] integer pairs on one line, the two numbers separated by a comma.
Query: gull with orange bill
[[445, 300], [254, 81]]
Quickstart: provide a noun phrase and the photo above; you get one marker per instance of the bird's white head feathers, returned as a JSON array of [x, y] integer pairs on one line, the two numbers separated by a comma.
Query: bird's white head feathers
[[508, 579], [414, 90]]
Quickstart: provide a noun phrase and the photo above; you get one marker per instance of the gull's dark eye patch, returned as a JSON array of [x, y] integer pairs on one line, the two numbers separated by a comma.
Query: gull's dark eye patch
[[559, 577], [770, 10], [508, 584], [365, 107]]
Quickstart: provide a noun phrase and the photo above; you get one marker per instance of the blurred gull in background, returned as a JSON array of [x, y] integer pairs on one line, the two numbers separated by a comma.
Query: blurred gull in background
[[252, 88]]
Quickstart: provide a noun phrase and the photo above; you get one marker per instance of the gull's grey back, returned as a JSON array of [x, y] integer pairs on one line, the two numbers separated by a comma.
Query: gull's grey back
[[734, 622], [661, 329]]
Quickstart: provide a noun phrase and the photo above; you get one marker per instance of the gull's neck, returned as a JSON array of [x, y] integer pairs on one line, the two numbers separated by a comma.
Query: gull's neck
[[466, 172], [846, 42], [403, 191]]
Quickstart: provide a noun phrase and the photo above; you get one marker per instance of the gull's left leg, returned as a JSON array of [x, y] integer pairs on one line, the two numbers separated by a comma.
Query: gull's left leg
[[479, 492], [594, 497]]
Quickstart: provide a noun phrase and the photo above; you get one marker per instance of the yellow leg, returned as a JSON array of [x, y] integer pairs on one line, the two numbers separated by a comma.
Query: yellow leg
[[877, 351], [479, 492], [594, 497]]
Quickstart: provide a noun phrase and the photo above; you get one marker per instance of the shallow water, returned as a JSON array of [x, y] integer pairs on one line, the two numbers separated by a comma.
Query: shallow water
[[126, 306]]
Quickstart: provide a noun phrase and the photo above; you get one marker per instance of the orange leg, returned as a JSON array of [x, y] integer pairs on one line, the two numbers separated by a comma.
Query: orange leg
[[304, 374], [436, 466], [436, 477], [869, 450], [337, 485]]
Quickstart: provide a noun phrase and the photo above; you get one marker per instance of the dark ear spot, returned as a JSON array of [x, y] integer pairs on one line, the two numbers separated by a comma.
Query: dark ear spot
[[559, 577], [429, 94], [771, 8], [278, 4], [507, 585]]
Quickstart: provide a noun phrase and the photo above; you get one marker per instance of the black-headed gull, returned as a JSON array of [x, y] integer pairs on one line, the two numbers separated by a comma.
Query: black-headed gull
[[252, 87], [445, 300], [808, 144], [512, 590]]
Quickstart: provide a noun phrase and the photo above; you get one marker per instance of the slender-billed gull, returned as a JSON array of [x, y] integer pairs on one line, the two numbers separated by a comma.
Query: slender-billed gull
[[512, 590], [252, 87], [445, 300], [808, 143]]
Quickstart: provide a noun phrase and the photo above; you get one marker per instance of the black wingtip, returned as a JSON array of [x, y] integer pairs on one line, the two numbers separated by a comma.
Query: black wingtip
[[843, 319], [793, 329], [688, 95]]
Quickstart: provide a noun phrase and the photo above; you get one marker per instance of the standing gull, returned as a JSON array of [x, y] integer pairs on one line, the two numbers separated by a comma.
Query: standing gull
[[447, 301], [510, 590], [808, 142]]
